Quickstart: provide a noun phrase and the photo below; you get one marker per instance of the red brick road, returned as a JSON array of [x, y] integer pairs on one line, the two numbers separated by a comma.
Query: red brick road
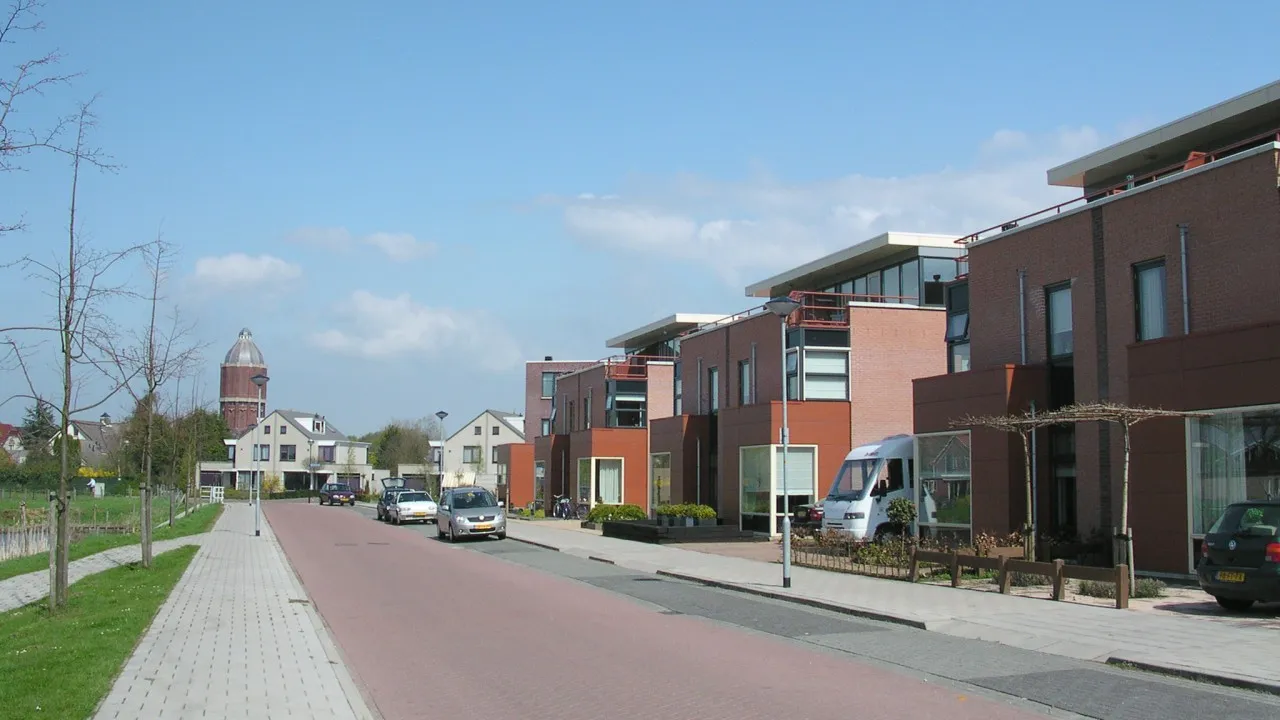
[[437, 632]]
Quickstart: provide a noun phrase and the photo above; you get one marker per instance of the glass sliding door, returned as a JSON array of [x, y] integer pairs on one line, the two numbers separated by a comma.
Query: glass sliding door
[[659, 479], [801, 477], [756, 482], [943, 495]]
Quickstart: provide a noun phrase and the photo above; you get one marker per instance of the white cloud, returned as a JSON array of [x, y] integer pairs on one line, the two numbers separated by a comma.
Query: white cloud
[[761, 224], [382, 328], [397, 246], [239, 270]]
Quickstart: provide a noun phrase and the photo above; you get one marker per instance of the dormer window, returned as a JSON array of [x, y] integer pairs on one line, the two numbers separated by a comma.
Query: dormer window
[[317, 424]]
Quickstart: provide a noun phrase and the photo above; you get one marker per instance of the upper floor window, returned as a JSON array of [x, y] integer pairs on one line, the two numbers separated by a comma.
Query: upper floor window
[[677, 391], [1058, 310], [958, 328], [478, 430], [288, 453], [495, 429], [548, 384], [284, 429], [744, 382], [471, 454], [546, 426], [1149, 300], [713, 381]]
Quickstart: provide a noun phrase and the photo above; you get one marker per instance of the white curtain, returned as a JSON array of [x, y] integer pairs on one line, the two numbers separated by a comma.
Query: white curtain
[[1218, 467], [609, 481], [800, 470]]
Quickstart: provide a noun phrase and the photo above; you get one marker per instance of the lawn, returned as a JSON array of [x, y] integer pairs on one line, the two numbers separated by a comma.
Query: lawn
[[85, 509], [63, 666], [193, 523]]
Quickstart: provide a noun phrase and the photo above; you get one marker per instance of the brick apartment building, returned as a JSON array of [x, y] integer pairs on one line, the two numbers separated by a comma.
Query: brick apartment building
[[871, 321], [1155, 288], [598, 447]]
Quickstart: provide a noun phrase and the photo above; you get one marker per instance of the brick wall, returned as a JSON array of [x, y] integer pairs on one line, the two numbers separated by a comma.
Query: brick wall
[[535, 406], [889, 348]]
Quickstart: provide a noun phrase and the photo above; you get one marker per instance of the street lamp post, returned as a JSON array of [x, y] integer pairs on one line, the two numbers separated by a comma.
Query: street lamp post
[[783, 307], [260, 380], [440, 416]]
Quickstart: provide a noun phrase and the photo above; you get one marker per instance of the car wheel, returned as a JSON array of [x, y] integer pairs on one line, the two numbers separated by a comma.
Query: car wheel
[[502, 536], [1233, 604], [439, 532], [453, 537]]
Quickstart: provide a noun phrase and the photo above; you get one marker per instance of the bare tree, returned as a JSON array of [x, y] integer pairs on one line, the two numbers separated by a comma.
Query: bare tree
[[1126, 417], [83, 286], [1022, 424], [154, 358]]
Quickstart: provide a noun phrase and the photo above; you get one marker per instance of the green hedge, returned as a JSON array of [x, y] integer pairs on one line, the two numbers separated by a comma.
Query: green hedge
[[689, 510], [600, 513]]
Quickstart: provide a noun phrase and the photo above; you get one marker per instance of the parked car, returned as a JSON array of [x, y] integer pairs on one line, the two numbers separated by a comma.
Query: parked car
[[1240, 555], [413, 506], [808, 515], [391, 486], [337, 494], [470, 511]]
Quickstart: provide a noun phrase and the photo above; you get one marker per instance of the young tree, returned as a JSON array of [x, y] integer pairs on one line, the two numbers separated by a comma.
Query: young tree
[[145, 365], [83, 285]]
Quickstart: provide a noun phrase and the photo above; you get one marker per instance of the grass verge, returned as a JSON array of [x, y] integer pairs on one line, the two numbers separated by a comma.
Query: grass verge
[[193, 523], [62, 666]]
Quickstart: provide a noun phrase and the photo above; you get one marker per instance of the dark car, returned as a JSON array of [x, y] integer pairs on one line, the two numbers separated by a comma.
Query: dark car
[[808, 515], [1240, 555], [337, 494], [391, 486]]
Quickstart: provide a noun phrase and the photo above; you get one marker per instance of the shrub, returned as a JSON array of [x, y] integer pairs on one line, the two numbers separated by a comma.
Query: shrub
[[689, 510], [1143, 588], [271, 484], [601, 513], [901, 512]]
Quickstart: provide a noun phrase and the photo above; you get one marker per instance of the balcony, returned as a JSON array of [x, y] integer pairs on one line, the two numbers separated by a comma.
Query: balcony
[[831, 310], [630, 367]]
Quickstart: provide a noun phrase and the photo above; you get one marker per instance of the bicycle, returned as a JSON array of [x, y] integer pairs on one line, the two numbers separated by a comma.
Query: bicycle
[[566, 509]]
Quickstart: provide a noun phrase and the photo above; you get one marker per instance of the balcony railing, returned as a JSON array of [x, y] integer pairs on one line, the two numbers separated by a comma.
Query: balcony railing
[[831, 310], [630, 367], [1194, 160]]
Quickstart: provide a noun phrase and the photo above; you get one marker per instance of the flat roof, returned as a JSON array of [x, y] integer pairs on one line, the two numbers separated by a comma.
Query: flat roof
[[664, 329], [1231, 120], [848, 259]]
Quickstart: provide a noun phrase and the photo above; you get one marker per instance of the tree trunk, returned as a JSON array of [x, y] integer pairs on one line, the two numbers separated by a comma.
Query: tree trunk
[[1124, 506], [1029, 535], [146, 493]]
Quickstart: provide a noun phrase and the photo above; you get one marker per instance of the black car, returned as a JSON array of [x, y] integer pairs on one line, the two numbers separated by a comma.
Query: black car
[[1240, 555], [391, 486], [337, 494]]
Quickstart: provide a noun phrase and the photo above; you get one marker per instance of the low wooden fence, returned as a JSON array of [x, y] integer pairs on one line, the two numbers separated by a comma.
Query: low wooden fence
[[1057, 571]]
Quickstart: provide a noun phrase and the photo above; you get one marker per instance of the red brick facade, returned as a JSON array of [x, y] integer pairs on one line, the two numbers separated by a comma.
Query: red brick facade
[[1231, 211]]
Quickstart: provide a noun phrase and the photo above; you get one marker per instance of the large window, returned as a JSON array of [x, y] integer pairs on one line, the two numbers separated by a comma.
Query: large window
[[826, 375], [659, 479], [625, 404], [760, 474], [678, 391], [609, 480], [1149, 299], [936, 273], [288, 453], [584, 482], [1058, 310], [471, 455], [958, 328], [548, 384], [944, 497], [1232, 457]]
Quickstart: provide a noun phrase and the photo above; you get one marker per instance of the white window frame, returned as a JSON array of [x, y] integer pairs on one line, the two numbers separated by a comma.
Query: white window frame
[[595, 473], [803, 371], [775, 481]]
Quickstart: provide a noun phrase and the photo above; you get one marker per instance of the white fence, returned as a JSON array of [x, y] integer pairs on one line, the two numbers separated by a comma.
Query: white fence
[[213, 493]]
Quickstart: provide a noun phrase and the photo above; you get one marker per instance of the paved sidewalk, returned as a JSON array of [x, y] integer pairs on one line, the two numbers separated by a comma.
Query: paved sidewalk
[[238, 638], [26, 589], [1185, 646]]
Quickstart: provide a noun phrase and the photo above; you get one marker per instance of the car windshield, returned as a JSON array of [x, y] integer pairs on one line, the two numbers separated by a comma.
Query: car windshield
[[474, 499], [408, 497], [334, 487], [853, 479]]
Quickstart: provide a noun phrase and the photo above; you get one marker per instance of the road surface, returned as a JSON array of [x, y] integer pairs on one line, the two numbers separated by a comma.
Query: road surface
[[492, 628]]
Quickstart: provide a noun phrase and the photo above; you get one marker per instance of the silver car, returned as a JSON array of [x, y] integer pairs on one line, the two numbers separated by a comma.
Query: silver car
[[469, 511]]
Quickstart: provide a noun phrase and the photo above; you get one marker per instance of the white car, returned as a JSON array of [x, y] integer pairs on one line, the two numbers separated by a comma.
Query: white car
[[412, 506]]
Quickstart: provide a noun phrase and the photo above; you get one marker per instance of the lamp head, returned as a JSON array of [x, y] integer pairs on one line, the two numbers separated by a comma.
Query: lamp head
[[782, 306]]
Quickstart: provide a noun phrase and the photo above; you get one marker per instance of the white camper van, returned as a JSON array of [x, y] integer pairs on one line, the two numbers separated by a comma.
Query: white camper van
[[871, 477]]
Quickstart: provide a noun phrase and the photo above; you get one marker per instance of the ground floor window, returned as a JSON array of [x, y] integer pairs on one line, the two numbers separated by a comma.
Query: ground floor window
[[539, 480], [1232, 456], [944, 497], [659, 479], [760, 472], [600, 481]]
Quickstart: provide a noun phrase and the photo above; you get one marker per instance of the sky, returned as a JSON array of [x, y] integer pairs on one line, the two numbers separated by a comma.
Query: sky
[[406, 200]]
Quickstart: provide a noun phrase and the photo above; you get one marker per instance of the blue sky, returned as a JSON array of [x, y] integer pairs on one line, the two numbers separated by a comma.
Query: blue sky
[[405, 200]]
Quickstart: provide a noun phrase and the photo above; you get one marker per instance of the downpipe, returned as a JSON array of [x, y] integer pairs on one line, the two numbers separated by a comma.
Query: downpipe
[[1183, 229]]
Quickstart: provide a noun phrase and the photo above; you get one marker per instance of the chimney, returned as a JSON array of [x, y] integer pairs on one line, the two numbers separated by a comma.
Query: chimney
[[105, 420], [546, 358]]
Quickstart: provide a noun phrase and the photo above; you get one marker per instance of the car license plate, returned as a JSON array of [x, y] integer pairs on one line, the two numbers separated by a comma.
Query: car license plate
[[1229, 576], [484, 527]]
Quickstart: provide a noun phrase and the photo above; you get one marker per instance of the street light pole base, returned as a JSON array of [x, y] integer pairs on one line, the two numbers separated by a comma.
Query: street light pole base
[[257, 533], [786, 582]]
